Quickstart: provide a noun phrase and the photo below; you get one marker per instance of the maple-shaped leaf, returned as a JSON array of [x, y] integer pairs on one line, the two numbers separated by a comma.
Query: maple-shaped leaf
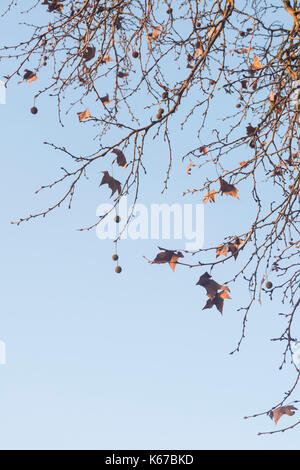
[[83, 115], [168, 256], [232, 247], [112, 183], [228, 189], [189, 167], [212, 287], [29, 76], [121, 160], [283, 410], [218, 301], [105, 99], [89, 53], [210, 196]]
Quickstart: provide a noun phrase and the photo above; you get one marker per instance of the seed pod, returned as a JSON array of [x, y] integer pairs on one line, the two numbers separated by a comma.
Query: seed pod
[[33, 110], [118, 269]]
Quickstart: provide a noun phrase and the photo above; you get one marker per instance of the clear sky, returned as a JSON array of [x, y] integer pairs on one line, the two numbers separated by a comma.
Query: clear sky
[[97, 360]]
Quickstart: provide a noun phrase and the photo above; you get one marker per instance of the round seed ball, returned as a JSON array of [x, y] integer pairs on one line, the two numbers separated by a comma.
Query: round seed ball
[[34, 110], [118, 269]]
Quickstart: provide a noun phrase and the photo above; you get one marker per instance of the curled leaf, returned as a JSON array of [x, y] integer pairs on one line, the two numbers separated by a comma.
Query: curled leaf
[[210, 196], [168, 256], [89, 53], [283, 410], [121, 160]]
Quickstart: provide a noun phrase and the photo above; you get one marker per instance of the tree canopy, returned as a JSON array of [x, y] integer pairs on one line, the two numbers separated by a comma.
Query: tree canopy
[[157, 66]]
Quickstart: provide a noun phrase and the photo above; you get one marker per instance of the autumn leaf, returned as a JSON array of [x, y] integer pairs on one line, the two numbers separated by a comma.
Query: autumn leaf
[[112, 183], [228, 189], [105, 99], [256, 63], [121, 160], [122, 74], [189, 167], [29, 76], [203, 149], [106, 58], [210, 196], [212, 287], [83, 115], [232, 247], [89, 53], [168, 256], [282, 410], [250, 130]]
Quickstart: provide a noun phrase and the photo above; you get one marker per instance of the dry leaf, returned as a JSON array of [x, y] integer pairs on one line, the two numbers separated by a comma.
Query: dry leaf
[[89, 53], [256, 64], [121, 160], [168, 256], [203, 149], [228, 189], [122, 74], [283, 410], [210, 196], [189, 167], [212, 287], [29, 76], [84, 115], [250, 130], [105, 99], [113, 184], [106, 58], [232, 247]]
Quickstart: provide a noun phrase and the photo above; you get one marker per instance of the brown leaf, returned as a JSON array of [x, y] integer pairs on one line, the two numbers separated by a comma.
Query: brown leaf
[[122, 74], [121, 160], [113, 184], [210, 196], [232, 247], [203, 149], [210, 285], [250, 130], [189, 167], [168, 256], [89, 53], [29, 76], [83, 115], [228, 189], [283, 410], [105, 99]]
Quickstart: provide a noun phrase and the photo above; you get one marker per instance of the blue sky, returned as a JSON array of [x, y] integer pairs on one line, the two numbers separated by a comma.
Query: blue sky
[[97, 360]]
